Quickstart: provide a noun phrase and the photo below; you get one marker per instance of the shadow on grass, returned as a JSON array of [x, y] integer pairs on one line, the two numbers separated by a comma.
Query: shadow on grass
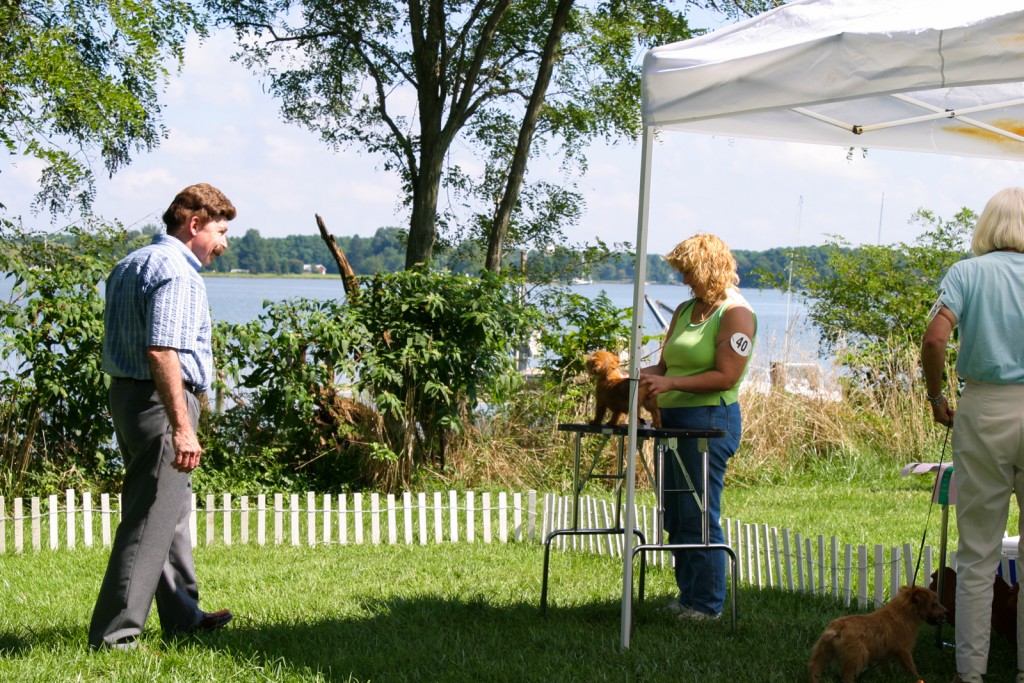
[[434, 639], [14, 644]]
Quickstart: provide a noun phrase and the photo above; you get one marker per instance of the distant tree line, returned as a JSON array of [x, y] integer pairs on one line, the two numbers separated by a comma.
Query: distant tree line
[[294, 254], [752, 266], [385, 252]]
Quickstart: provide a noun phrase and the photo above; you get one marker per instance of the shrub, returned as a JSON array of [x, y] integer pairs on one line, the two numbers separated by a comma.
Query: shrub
[[285, 421], [425, 351], [54, 416], [434, 348]]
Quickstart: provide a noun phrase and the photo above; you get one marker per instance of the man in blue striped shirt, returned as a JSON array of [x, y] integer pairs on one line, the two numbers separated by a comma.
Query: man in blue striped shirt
[[157, 348]]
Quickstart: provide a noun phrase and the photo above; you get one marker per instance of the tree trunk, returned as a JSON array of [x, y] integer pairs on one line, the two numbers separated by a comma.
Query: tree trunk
[[425, 176], [423, 223], [503, 216], [438, 96]]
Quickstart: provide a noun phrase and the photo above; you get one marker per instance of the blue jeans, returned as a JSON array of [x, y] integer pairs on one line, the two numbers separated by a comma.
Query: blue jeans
[[700, 574]]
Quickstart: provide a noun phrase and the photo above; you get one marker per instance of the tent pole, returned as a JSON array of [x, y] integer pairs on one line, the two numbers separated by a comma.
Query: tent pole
[[635, 351]]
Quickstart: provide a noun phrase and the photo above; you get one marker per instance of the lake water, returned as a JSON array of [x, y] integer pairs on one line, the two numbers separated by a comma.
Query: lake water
[[238, 300], [783, 330]]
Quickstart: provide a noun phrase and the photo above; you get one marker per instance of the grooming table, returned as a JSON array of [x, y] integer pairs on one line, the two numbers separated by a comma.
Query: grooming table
[[664, 439]]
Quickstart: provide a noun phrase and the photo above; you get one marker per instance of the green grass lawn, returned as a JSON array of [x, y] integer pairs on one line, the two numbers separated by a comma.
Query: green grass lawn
[[470, 612], [891, 512], [437, 613]]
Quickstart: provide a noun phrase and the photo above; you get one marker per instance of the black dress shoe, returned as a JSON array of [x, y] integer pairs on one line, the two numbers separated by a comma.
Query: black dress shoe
[[212, 621]]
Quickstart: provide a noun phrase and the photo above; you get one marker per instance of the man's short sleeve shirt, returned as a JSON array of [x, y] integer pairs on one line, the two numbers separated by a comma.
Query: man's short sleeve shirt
[[156, 297]]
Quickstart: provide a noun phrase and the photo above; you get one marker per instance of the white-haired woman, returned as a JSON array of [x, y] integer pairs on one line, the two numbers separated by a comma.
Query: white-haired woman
[[984, 298]]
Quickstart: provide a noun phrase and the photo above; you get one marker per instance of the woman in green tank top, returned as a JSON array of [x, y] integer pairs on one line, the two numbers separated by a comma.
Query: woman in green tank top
[[703, 362]]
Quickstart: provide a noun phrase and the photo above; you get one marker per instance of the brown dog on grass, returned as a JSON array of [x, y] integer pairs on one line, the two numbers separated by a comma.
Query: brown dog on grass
[[889, 633], [613, 390]]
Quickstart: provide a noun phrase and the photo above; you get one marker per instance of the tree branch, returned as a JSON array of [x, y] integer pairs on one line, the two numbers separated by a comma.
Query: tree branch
[[503, 215], [348, 276]]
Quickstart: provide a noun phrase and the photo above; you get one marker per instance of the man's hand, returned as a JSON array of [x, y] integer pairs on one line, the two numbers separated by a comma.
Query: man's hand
[[186, 450], [166, 370]]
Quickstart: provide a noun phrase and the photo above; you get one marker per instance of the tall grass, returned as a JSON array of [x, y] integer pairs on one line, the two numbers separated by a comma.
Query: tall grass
[[844, 430]]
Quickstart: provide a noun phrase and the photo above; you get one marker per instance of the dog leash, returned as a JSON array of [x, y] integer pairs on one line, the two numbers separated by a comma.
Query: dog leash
[[920, 552]]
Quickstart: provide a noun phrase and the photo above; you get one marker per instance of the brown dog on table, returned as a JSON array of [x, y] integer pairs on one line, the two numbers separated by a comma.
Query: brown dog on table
[[889, 633], [613, 391]]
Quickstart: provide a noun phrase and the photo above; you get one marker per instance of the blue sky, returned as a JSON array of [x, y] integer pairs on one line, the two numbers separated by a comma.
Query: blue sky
[[755, 194]]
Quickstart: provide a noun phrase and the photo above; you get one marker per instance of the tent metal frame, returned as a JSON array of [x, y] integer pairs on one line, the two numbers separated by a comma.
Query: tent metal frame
[[936, 113]]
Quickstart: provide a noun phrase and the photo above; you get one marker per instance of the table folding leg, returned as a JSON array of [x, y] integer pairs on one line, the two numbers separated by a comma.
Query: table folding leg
[[579, 482], [702, 503]]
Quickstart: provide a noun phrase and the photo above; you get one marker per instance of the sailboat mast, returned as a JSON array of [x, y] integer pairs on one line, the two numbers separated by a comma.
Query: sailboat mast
[[789, 287], [881, 212]]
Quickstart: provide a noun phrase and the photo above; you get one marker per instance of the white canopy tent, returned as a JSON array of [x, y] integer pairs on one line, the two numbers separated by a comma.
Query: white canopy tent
[[942, 76]]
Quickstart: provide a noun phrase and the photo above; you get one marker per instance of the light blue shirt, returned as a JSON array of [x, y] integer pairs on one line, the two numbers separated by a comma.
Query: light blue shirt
[[155, 296], [986, 293]]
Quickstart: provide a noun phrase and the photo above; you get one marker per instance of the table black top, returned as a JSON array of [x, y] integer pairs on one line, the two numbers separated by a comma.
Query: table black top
[[644, 432]]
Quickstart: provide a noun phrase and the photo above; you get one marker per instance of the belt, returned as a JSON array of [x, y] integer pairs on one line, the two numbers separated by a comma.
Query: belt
[[188, 386]]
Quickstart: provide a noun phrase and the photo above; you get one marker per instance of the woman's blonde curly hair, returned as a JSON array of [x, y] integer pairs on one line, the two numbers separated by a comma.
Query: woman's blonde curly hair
[[707, 260]]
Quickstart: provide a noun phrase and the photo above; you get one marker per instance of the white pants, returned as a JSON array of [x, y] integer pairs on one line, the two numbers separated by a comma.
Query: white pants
[[988, 459]]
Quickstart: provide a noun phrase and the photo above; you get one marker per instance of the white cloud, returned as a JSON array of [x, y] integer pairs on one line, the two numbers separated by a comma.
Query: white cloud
[[23, 173], [185, 144], [284, 150]]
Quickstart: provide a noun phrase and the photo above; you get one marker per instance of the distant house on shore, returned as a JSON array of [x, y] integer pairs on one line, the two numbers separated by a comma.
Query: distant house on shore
[[319, 269]]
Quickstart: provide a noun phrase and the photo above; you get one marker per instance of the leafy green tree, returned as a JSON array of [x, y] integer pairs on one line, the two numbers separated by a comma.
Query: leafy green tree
[[414, 82], [254, 253], [872, 302], [307, 249], [80, 80], [738, 9]]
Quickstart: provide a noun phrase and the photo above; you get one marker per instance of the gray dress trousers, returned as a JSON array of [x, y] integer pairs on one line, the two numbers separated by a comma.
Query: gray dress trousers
[[152, 551]]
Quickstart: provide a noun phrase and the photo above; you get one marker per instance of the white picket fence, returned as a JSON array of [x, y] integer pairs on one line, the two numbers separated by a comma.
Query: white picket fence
[[768, 557], [303, 520]]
